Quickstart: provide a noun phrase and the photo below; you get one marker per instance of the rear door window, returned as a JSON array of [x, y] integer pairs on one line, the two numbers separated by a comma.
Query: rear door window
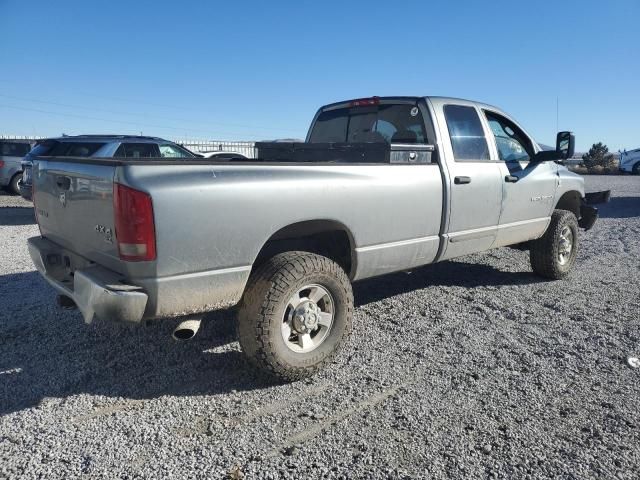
[[394, 123], [466, 133], [138, 150]]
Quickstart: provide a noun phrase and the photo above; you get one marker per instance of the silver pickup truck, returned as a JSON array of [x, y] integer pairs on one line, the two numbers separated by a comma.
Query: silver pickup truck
[[380, 185]]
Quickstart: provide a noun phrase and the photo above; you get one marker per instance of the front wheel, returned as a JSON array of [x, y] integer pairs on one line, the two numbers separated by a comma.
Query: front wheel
[[553, 255], [636, 169], [295, 314]]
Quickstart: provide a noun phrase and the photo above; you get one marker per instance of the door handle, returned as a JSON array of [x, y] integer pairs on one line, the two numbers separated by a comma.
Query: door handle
[[462, 180], [511, 179], [64, 183]]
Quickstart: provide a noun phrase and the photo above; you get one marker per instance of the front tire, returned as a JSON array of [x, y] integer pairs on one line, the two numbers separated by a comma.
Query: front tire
[[554, 254], [295, 314], [636, 169]]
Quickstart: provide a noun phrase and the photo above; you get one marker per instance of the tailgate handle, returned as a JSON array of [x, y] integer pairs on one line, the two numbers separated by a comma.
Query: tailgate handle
[[63, 182]]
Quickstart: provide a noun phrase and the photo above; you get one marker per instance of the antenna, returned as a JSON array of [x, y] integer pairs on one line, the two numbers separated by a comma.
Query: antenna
[[557, 114]]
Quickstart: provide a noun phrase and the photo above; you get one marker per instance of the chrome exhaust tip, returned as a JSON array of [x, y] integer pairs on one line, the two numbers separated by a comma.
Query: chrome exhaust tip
[[186, 330]]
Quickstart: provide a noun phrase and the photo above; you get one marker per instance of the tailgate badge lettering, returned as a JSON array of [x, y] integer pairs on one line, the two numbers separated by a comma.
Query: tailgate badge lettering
[[106, 231], [63, 199]]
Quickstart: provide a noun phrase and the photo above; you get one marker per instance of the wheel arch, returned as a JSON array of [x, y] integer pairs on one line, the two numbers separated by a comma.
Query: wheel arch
[[329, 238], [571, 201]]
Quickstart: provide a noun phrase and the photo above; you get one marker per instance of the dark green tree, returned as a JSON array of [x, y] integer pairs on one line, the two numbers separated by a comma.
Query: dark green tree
[[598, 156]]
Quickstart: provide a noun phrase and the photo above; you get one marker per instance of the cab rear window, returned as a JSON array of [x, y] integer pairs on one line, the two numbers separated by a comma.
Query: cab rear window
[[396, 123]]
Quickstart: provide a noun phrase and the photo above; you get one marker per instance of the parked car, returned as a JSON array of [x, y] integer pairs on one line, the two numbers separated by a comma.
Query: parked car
[[381, 185], [630, 161], [11, 154], [222, 155], [99, 146]]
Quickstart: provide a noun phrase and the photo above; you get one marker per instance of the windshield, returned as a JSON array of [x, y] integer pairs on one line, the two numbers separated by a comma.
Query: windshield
[[399, 123]]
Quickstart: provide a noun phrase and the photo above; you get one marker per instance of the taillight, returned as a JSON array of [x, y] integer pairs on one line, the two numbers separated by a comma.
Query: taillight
[[362, 102], [1, 163], [35, 207], [135, 230]]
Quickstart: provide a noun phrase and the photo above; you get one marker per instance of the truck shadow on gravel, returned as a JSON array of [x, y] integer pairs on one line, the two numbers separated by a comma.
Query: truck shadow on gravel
[[17, 216], [49, 353], [445, 274], [620, 207]]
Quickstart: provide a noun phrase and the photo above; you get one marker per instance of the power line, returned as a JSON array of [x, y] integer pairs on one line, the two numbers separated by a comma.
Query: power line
[[84, 107], [137, 124]]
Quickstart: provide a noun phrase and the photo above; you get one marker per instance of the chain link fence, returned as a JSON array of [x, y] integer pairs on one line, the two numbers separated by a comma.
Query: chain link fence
[[203, 146], [19, 137]]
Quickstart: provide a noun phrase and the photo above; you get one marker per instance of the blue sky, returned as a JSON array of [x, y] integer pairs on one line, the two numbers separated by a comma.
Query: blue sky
[[259, 70]]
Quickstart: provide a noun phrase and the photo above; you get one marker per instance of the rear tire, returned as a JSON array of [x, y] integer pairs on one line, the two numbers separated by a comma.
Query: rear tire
[[13, 184], [553, 255], [636, 169], [295, 314]]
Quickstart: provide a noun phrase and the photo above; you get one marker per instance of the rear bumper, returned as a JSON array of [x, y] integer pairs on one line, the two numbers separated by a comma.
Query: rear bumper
[[96, 290], [25, 190]]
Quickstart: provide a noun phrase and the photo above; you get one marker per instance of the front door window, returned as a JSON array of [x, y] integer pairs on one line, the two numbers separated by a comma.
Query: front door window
[[511, 142]]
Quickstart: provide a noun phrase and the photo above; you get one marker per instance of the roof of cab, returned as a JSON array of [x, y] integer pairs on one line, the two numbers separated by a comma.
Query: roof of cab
[[439, 99]]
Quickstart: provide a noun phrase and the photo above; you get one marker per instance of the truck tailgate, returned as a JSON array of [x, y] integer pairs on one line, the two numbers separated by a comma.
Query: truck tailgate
[[74, 207]]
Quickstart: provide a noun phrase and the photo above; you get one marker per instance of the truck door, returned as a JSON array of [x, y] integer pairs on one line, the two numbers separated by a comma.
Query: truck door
[[475, 187], [528, 189]]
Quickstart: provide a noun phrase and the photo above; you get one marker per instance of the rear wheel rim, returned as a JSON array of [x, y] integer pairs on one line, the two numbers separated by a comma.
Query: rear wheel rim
[[308, 318], [565, 247]]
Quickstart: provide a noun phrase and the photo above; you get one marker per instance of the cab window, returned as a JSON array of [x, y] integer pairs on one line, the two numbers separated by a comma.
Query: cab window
[[390, 123], [511, 142], [466, 133]]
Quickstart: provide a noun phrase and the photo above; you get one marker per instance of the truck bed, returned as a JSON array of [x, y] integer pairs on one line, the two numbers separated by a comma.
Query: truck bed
[[212, 218]]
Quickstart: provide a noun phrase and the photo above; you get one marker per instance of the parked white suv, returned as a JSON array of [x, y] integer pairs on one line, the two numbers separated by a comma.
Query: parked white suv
[[630, 161]]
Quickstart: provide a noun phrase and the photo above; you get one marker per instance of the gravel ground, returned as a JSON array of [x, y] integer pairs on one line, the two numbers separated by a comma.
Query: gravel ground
[[471, 368]]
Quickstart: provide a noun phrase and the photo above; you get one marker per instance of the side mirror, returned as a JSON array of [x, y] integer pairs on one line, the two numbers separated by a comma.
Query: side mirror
[[565, 145]]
